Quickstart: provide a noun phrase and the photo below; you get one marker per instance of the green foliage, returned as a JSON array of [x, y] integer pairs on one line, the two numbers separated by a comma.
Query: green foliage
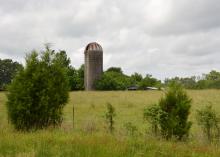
[[115, 69], [80, 73], [208, 119], [73, 78], [76, 78], [39, 92], [63, 59], [149, 81], [112, 80], [187, 82], [213, 76], [109, 116], [136, 79], [206, 81], [213, 79], [202, 84], [176, 108], [153, 115], [8, 70]]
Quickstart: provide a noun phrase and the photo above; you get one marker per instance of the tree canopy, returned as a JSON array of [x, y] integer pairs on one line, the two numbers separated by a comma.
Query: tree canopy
[[8, 70]]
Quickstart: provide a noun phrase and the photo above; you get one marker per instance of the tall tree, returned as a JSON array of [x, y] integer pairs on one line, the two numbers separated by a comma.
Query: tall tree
[[75, 76], [81, 77], [115, 69], [136, 79], [63, 58], [149, 81], [8, 70]]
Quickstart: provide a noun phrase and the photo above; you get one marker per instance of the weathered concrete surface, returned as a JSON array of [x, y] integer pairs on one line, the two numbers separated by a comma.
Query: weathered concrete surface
[[93, 65]]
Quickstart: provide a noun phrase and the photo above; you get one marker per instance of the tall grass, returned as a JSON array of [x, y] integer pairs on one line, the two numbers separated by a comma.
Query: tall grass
[[89, 113]]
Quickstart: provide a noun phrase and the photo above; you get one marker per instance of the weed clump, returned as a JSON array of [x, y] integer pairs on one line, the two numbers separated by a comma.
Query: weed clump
[[153, 114], [209, 121], [109, 116], [170, 115]]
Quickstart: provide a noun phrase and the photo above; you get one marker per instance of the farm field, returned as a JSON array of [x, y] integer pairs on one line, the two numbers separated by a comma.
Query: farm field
[[89, 137]]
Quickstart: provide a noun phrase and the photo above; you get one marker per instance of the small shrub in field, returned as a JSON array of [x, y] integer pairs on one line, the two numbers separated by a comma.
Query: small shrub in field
[[39, 92], [92, 105], [176, 108], [208, 119], [130, 128], [152, 114], [109, 116]]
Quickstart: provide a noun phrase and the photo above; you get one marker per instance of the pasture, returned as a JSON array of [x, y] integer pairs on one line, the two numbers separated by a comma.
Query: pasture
[[90, 138]]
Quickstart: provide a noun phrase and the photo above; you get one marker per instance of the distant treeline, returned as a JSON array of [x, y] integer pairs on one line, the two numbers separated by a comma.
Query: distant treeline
[[113, 78], [206, 81]]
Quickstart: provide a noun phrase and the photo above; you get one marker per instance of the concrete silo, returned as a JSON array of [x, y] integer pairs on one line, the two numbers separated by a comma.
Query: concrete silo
[[93, 65]]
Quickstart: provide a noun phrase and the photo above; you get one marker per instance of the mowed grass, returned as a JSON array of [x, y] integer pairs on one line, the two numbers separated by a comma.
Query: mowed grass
[[89, 137]]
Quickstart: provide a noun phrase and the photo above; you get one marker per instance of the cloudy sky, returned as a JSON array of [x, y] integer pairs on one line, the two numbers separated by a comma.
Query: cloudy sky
[[164, 38]]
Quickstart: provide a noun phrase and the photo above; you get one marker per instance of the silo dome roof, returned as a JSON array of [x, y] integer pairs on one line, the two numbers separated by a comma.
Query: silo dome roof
[[93, 47]]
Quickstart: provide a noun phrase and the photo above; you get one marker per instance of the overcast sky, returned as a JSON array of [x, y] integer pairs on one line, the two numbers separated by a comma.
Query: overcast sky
[[164, 38]]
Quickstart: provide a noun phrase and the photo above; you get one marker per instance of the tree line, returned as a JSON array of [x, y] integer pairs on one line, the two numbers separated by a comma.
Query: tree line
[[206, 81], [113, 78]]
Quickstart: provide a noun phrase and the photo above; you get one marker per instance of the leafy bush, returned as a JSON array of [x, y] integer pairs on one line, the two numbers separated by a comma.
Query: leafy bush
[[153, 114], [170, 116], [39, 92], [208, 119], [176, 108], [109, 116]]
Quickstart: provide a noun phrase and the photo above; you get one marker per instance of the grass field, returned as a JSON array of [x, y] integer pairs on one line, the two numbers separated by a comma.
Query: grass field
[[90, 138]]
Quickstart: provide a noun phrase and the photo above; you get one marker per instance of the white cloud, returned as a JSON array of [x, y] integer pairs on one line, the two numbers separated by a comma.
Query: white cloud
[[164, 38]]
